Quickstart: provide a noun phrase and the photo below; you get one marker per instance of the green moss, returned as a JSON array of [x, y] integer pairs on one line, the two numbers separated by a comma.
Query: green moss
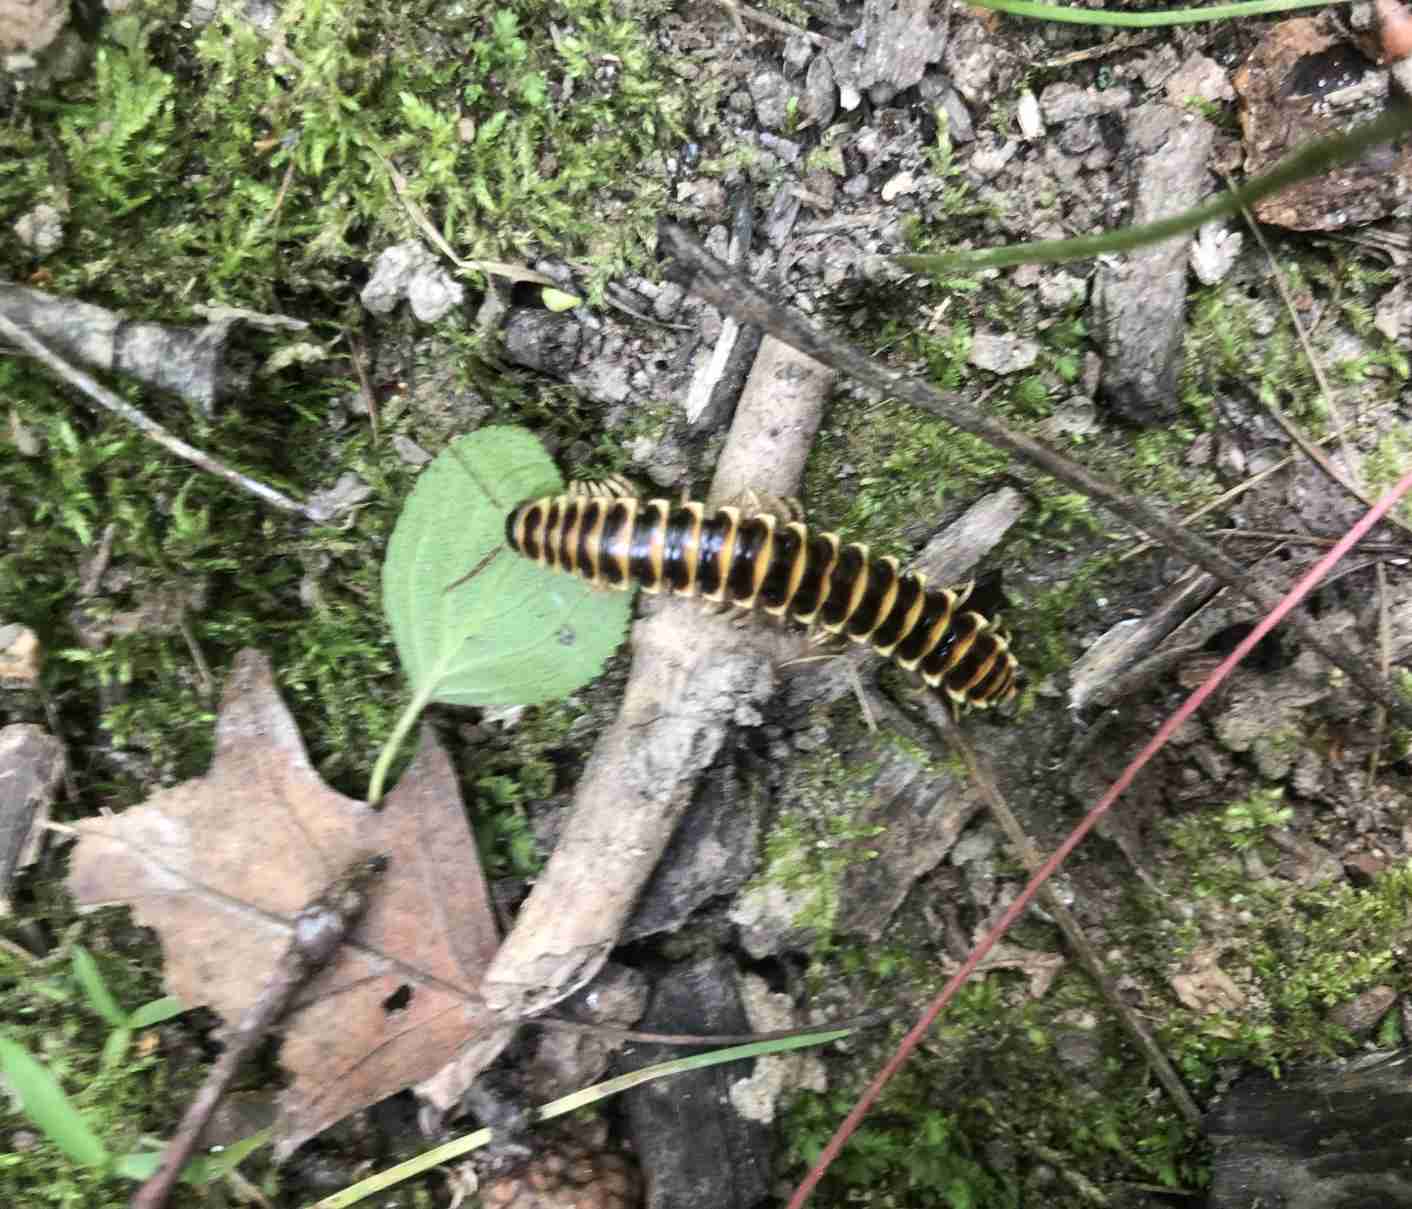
[[296, 152], [987, 1113], [1293, 952], [519, 767], [226, 166], [875, 468], [1388, 463], [813, 843]]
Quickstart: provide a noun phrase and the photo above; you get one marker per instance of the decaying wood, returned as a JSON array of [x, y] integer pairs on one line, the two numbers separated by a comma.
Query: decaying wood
[[699, 1150], [1316, 1140], [718, 381], [31, 770], [192, 362], [1141, 296], [692, 675], [1097, 670]]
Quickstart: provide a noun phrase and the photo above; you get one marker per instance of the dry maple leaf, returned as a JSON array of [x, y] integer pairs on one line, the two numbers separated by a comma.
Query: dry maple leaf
[[220, 865]]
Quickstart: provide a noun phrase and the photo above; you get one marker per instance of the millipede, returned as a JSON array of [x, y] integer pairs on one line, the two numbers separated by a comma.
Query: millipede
[[784, 568]]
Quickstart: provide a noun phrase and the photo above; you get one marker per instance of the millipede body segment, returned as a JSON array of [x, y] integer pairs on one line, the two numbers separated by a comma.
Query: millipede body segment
[[784, 568]]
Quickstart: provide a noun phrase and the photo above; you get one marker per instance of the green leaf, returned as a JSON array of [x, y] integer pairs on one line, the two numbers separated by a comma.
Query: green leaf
[[474, 623], [115, 1048], [558, 300], [138, 1166], [99, 997], [156, 1012], [45, 1103], [204, 1169]]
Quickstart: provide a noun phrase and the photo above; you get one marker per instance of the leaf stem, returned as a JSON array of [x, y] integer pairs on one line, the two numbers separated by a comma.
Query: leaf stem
[[390, 749]]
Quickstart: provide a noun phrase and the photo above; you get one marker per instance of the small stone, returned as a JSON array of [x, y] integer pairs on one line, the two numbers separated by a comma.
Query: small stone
[[770, 92], [903, 182], [1002, 352], [1027, 116], [1363, 867], [409, 451], [432, 294], [988, 161], [41, 230], [21, 657], [1201, 79], [392, 273], [1360, 1016], [25, 440]]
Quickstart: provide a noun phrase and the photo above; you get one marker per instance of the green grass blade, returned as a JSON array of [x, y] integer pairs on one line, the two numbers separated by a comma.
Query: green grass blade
[[91, 980], [570, 1103], [1179, 16], [1317, 157], [156, 1012], [45, 1103]]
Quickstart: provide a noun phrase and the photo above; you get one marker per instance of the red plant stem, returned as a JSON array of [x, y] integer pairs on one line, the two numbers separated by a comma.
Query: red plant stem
[[919, 1030]]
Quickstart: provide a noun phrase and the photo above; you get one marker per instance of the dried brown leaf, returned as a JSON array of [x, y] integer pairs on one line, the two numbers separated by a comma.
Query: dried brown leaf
[[220, 865]]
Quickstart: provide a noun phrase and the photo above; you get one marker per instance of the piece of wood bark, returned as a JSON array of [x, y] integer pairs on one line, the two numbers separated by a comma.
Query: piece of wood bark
[[1140, 297], [193, 362], [1316, 1140], [31, 771], [697, 1149]]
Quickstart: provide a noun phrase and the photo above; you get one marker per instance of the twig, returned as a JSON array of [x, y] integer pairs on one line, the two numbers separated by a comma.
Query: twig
[[774, 23], [1395, 549], [1334, 413], [981, 777], [100, 395], [735, 294], [1384, 666], [493, 268], [1224, 498], [203, 669], [269, 219], [319, 930], [370, 401]]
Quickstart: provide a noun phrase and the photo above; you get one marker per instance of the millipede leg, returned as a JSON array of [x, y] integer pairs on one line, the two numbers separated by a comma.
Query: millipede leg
[[784, 508], [613, 486]]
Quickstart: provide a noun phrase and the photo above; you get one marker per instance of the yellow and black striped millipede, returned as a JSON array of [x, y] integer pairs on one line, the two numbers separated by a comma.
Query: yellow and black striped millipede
[[786, 569]]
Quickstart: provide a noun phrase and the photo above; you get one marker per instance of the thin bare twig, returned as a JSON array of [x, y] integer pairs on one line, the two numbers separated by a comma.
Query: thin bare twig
[[319, 930], [1384, 666], [734, 294], [984, 781], [1395, 549], [1316, 455], [774, 23], [105, 398], [1335, 413], [370, 400]]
